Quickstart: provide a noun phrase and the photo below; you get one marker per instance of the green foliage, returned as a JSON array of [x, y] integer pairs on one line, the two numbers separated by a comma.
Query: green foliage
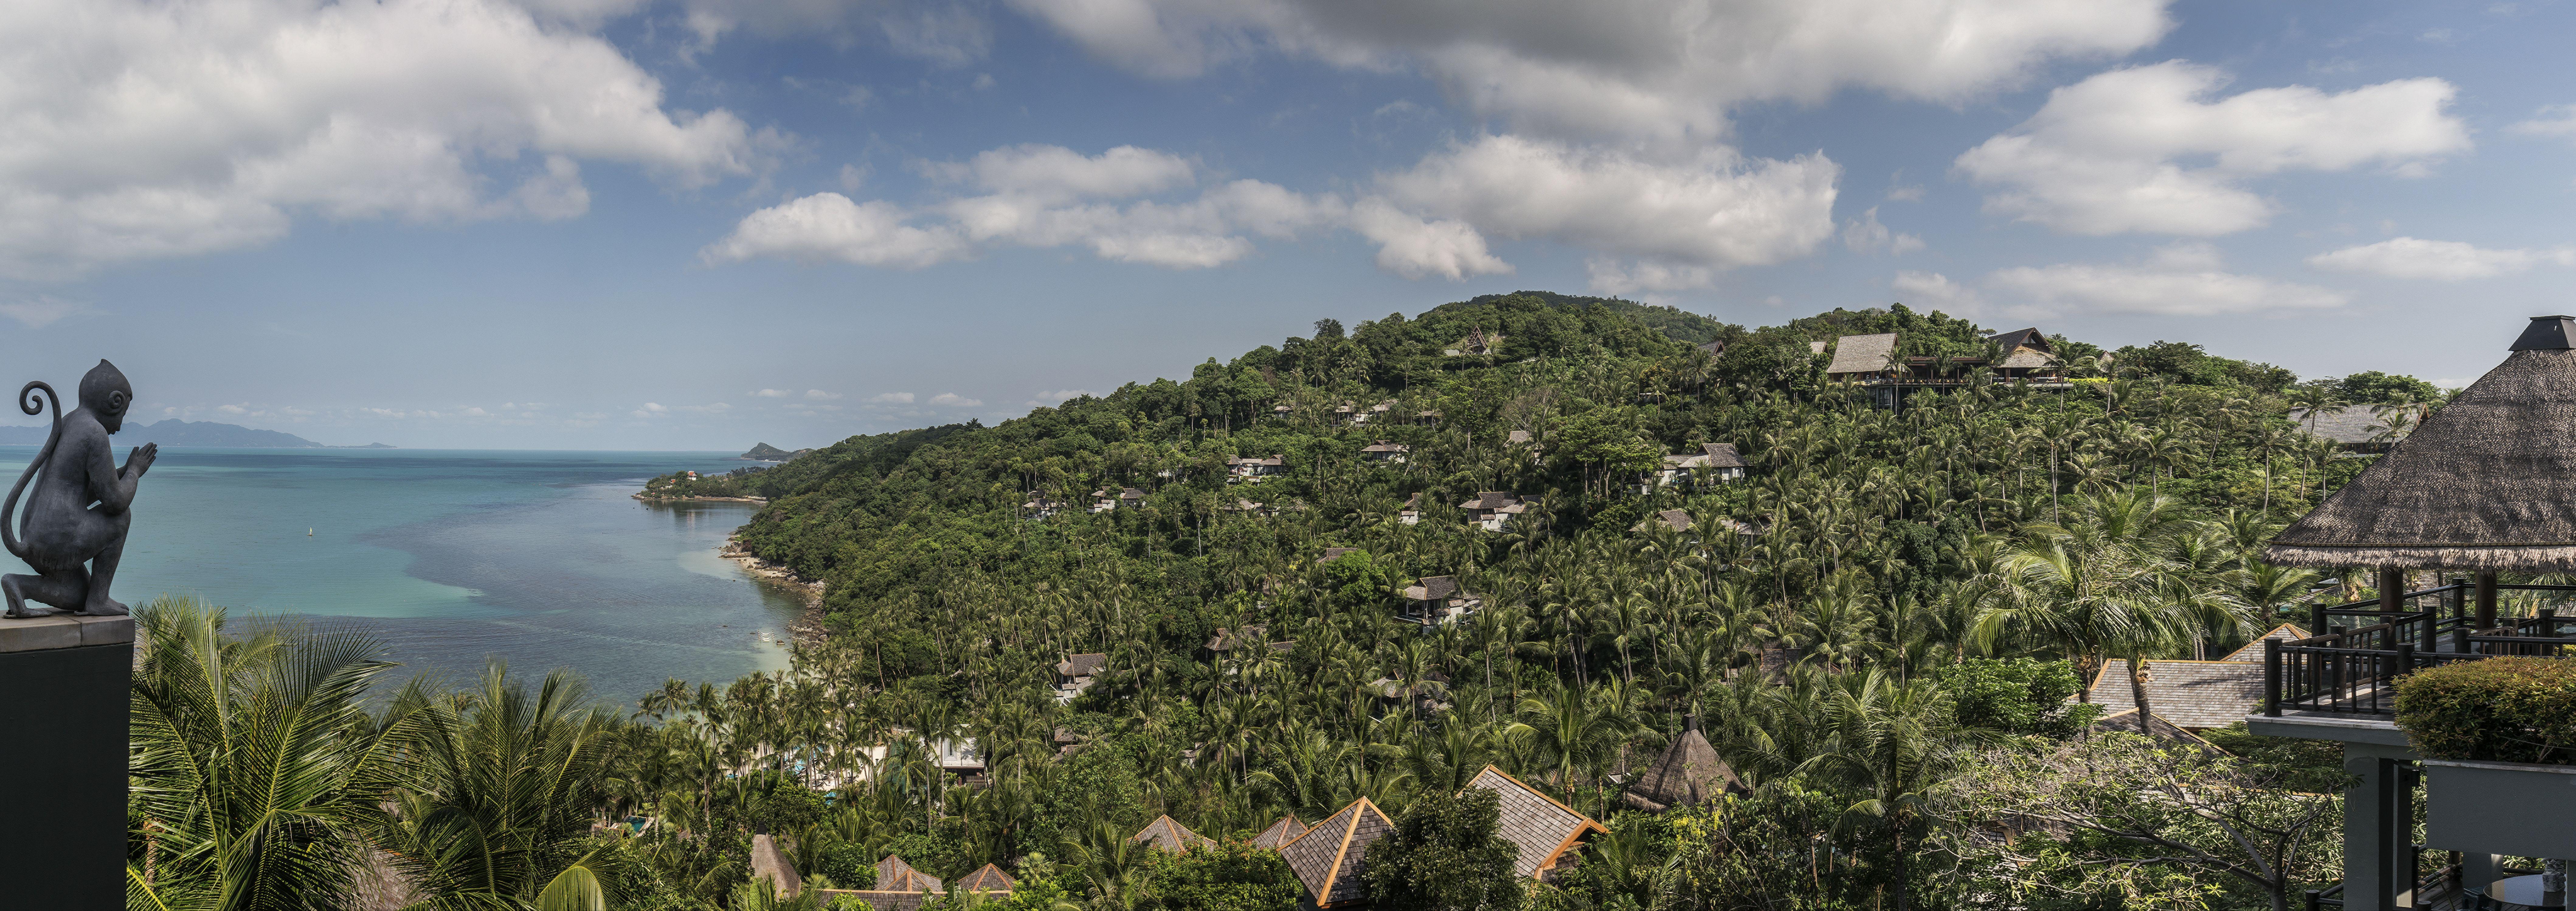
[[1444, 855], [851, 865], [2372, 387], [1233, 876], [2017, 696], [2509, 709]]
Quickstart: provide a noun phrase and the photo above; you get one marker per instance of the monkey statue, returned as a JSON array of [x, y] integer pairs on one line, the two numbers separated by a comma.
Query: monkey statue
[[78, 515]]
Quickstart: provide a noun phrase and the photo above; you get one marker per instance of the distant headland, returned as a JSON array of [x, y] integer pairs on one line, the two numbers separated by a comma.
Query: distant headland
[[175, 432], [763, 452]]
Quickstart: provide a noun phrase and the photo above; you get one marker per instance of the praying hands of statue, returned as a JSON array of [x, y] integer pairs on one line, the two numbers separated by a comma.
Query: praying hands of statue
[[75, 524]]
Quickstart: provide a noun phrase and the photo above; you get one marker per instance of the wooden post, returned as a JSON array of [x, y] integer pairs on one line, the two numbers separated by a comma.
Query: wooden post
[[2392, 588], [2486, 599]]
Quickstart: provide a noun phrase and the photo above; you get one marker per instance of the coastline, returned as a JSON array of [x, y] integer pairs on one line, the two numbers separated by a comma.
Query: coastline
[[807, 628], [699, 499]]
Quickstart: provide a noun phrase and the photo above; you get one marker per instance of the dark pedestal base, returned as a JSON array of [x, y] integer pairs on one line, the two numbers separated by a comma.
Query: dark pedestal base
[[63, 716]]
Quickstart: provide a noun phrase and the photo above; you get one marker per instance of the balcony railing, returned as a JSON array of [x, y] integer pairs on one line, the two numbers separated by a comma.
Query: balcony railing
[[2352, 665]]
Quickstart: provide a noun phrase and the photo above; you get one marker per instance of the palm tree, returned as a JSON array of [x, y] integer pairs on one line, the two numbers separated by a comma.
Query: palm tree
[[1888, 750], [258, 776]]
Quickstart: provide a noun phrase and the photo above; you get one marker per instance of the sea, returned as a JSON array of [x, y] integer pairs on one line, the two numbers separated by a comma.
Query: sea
[[455, 558]]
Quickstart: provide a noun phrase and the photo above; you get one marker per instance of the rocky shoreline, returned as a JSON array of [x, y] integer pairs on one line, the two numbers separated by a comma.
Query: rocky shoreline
[[807, 628]]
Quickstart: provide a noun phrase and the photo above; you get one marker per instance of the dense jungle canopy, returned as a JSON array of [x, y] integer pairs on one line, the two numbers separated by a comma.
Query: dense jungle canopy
[[1887, 603]]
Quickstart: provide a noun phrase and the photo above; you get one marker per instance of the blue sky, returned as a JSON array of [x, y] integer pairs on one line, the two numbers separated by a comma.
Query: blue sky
[[668, 224]]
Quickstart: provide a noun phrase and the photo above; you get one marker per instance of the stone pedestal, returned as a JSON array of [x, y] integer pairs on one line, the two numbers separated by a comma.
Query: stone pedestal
[[63, 690]]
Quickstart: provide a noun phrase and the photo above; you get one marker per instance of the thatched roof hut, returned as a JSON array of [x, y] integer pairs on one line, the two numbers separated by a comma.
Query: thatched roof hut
[[2487, 483], [1689, 772]]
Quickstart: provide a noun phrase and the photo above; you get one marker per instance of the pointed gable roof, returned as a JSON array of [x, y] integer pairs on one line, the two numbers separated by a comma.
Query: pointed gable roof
[[2487, 482], [988, 879], [1280, 833], [1535, 823], [893, 875], [2022, 338], [1863, 353], [1168, 834], [1689, 772], [1721, 455], [1328, 858]]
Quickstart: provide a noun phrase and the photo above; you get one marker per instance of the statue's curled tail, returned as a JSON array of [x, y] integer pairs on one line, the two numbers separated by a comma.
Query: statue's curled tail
[[29, 403]]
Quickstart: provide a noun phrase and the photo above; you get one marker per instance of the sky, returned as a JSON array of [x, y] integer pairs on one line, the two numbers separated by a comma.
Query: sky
[[697, 224]]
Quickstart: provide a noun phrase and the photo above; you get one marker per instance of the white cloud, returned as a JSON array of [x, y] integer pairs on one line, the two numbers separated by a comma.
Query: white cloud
[[2554, 120], [828, 226], [1044, 197], [954, 400], [2118, 152], [2180, 280], [892, 398], [144, 129], [1663, 69], [40, 311], [1866, 235], [2438, 260], [772, 393], [1716, 210], [231, 409], [945, 33], [1413, 247], [651, 409], [1056, 172], [1935, 291], [820, 395]]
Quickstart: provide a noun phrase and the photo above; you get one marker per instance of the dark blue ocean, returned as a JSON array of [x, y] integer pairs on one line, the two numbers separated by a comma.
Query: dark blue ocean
[[539, 559]]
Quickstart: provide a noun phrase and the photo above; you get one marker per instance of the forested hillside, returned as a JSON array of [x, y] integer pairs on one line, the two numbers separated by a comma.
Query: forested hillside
[[1881, 590]]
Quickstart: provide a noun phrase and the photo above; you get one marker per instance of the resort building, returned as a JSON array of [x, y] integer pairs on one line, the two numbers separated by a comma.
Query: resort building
[[1280, 833], [1714, 463], [2481, 487], [1411, 512], [1075, 674], [1251, 470], [1438, 599], [1167, 834], [1383, 451], [1545, 831], [1493, 509], [988, 881], [1426, 418], [2193, 695], [1227, 640], [1871, 362], [1328, 858], [1042, 506]]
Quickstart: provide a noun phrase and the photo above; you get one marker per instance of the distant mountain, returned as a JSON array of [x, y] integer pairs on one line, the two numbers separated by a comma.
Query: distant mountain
[[175, 432], [763, 452]]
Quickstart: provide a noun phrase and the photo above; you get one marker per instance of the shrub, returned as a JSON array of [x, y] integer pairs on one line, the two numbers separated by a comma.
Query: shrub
[[2017, 696], [1444, 856], [2510, 709]]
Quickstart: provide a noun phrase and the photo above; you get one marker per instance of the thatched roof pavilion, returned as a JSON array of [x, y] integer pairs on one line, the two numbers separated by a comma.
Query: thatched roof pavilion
[[2486, 483]]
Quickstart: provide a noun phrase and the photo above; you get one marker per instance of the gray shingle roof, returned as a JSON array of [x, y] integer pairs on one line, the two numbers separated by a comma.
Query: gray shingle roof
[[1863, 353], [1166, 833], [1082, 665], [1432, 588], [1492, 499], [2193, 694], [2347, 424], [987, 879], [1722, 455], [1533, 822], [1329, 857], [2252, 653], [1280, 833]]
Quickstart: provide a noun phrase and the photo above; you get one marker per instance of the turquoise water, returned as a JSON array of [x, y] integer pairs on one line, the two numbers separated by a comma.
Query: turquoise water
[[539, 559]]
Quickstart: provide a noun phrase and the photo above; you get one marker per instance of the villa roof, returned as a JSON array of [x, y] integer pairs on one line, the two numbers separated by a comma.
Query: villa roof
[[2193, 694], [767, 862], [2252, 652], [1333, 553], [1517, 437], [1492, 499], [1432, 588], [1689, 772], [1721, 455], [1863, 353], [1082, 665], [2487, 482], [2158, 727], [893, 875], [1168, 834], [1282, 832], [1328, 858], [1131, 494], [1384, 446], [1229, 640], [1535, 823], [1675, 519], [1414, 501], [987, 879], [2351, 424], [2022, 338], [1249, 460]]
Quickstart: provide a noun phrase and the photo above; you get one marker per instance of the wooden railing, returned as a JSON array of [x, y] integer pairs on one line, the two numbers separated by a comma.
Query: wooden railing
[[2352, 665]]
